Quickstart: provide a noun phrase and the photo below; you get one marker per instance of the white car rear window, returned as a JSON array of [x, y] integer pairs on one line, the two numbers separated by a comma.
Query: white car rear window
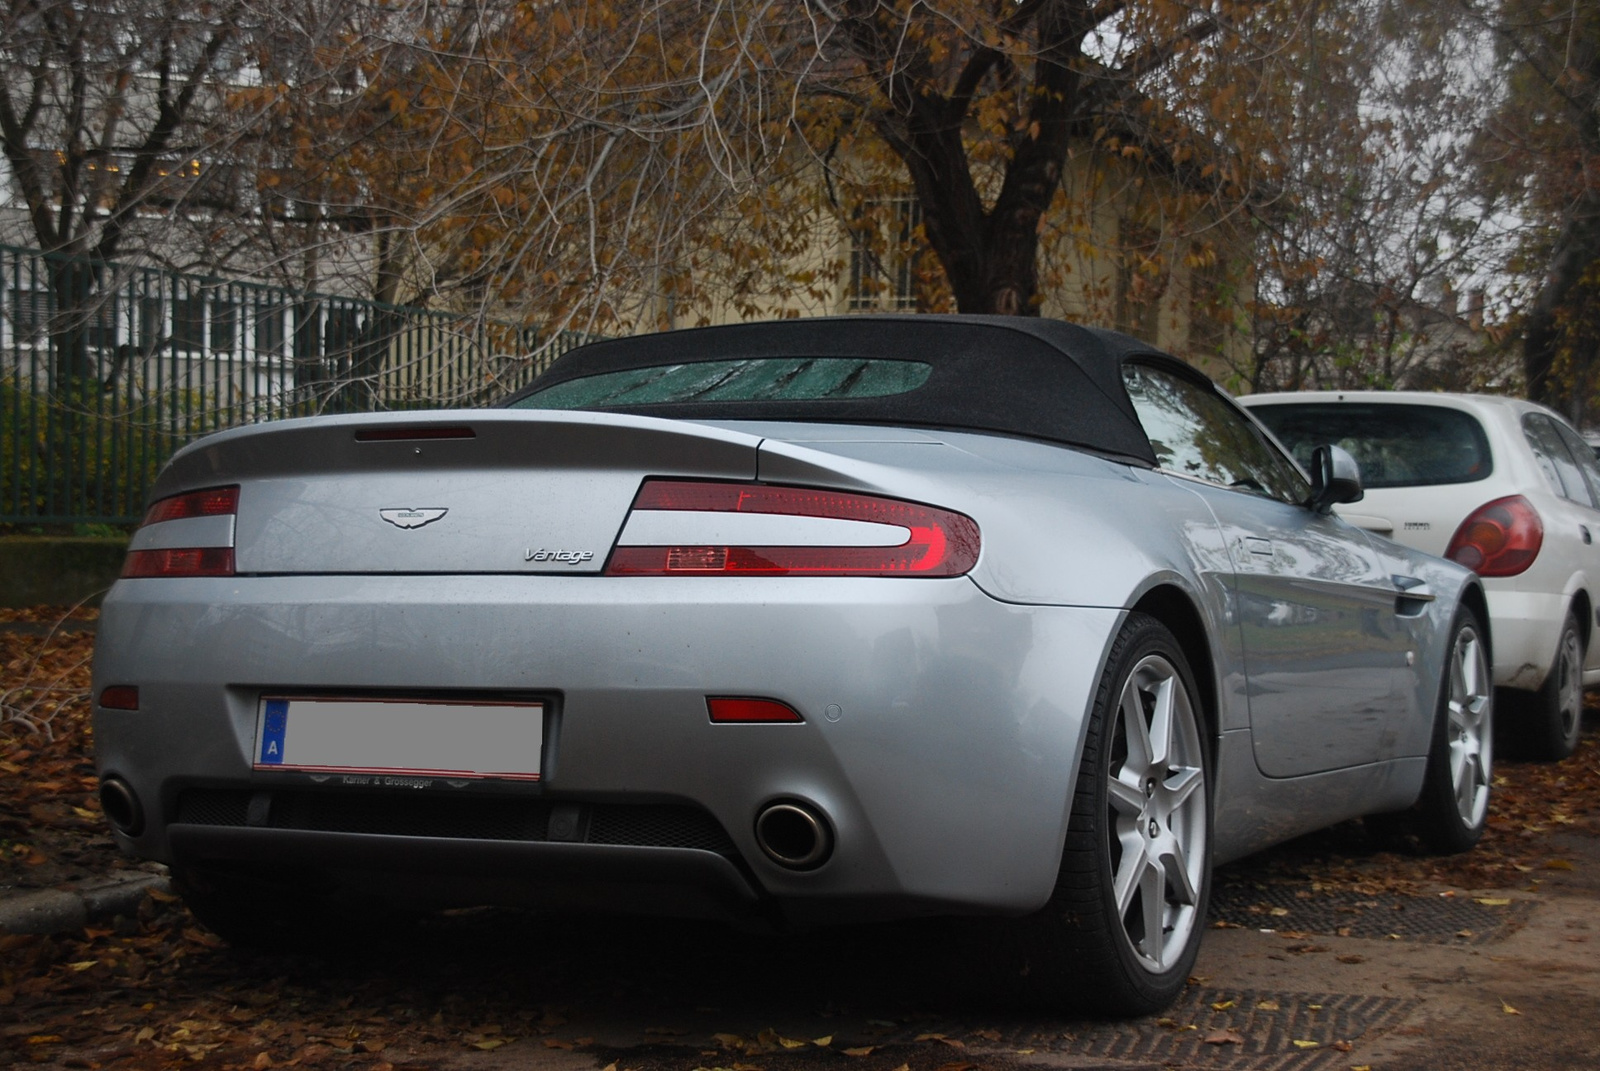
[[1395, 445]]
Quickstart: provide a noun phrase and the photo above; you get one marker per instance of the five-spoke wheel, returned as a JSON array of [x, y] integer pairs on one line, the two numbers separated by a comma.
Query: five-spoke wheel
[[1454, 806], [1124, 925]]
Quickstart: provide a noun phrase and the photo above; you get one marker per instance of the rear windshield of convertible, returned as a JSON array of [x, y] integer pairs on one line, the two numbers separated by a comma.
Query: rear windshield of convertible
[[1395, 445], [747, 380]]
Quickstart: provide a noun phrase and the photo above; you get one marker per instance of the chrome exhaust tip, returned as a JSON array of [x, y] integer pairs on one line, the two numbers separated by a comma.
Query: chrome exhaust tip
[[121, 806], [794, 835]]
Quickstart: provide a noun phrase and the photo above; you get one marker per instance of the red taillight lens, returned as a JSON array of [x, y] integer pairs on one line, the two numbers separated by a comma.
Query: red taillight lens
[[1499, 538], [727, 710], [936, 542], [120, 697], [179, 561], [212, 502], [185, 515]]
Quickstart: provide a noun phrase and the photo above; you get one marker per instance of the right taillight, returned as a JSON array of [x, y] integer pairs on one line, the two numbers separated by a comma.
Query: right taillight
[[1499, 538], [190, 534], [702, 528]]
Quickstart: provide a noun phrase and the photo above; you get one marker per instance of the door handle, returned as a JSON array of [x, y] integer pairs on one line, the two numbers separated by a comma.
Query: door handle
[[1257, 545], [1583, 530]]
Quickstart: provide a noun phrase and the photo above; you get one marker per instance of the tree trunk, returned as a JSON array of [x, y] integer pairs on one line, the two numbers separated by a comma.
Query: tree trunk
[[1577, 248]]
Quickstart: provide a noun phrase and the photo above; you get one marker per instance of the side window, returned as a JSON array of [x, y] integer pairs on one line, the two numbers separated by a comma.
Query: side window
[[1583, 454], [1195, 432], [1560, 470]]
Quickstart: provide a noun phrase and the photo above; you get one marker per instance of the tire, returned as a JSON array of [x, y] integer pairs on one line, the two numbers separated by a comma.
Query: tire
[[1125, 921], [1556, 715], [1453, 809]]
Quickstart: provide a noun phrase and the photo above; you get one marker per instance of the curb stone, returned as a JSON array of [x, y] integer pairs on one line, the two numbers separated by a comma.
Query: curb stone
[[50, 911]]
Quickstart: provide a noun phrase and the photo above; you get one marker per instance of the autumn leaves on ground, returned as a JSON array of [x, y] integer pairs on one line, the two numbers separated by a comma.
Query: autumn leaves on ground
[[158, 991]]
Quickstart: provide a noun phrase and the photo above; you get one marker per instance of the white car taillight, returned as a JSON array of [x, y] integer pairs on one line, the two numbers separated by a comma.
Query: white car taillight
[[692, 528], [1499, 538], [185, 535]]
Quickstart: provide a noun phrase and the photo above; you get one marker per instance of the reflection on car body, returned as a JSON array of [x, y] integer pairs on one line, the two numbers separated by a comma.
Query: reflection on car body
[[886, 616], [1501, 485]]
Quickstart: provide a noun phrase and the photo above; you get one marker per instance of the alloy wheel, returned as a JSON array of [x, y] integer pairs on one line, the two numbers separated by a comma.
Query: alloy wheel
[[1470, 735], [1157, 801]]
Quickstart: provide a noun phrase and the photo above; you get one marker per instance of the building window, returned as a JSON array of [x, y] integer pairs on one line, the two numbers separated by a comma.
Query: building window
[[29, 313], [269, 330], [882, 256], [189, 324], [224, 332]]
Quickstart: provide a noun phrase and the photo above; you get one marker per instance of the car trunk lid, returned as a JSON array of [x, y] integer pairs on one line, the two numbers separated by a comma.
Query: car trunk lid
[[446, 492]]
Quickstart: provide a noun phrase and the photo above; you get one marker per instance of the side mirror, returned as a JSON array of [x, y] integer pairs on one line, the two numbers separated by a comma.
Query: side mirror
[[1335, 478]]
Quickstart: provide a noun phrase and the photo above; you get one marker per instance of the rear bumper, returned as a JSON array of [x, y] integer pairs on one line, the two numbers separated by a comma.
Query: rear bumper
[[1526, 626], [941, 735]]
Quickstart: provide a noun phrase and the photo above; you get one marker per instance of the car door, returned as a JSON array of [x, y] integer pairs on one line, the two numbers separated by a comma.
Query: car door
[[1327, 658], [1569, 466]]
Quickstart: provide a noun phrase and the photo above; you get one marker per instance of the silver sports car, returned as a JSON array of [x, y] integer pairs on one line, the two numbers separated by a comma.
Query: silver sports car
[[784, 623]]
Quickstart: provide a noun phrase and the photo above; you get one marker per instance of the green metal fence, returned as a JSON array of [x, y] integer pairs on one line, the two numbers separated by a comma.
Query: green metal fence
[[106, 369]]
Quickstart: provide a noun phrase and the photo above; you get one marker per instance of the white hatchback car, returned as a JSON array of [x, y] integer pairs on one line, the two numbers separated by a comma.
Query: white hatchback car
[[1501, 485]]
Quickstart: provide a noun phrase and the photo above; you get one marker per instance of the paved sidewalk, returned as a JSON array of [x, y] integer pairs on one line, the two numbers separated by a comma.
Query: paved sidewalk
[[63, 909]]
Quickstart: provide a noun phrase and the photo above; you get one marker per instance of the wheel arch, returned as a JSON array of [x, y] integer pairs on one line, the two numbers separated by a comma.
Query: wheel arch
[[1173, 608], [1583, 610], [1472, 596]]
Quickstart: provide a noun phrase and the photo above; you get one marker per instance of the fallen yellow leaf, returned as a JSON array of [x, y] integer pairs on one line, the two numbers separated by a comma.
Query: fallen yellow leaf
[[860, 1050], [84, 965], [1559, 864], [824, 1042], [1306, 1044], [1508, 1009], [1223, 1037], [1224, 1005], [1492, 901]]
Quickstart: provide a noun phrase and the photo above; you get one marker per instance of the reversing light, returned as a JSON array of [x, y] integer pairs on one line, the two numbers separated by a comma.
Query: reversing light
[[735, 710], [1499, 538], [834, 533]]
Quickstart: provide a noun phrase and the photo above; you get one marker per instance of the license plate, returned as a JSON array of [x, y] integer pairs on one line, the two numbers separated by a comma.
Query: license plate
[[402, 737]]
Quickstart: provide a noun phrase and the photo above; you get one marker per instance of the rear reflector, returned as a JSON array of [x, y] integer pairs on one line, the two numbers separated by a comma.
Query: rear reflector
[[426, 431], [730, 710], [212, 502], [928, 541], [179, 561], [120, 697]]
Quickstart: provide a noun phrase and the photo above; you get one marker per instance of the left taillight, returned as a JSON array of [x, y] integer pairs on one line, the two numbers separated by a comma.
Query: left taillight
[[704, 528], [189, 534]]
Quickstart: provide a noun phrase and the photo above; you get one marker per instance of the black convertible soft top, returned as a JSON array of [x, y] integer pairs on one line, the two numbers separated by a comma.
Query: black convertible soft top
[[1043, 379]]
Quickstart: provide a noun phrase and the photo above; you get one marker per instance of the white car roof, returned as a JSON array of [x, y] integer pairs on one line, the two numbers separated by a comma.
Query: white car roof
[[1479, 403]]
